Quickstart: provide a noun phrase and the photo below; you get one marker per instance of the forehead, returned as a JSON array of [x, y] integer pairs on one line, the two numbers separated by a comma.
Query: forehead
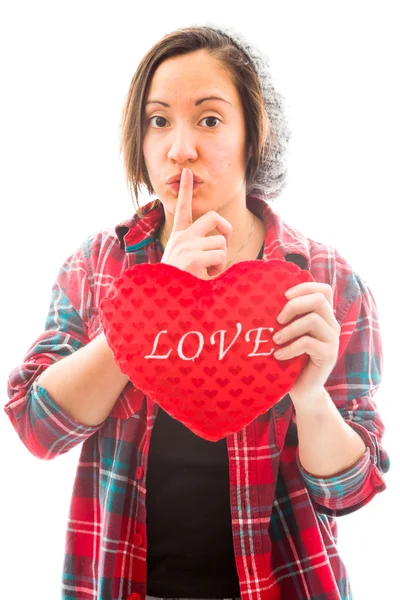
[[193, 74]]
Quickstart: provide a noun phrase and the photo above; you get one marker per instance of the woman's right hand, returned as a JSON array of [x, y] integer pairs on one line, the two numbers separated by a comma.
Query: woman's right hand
[[188, 248]]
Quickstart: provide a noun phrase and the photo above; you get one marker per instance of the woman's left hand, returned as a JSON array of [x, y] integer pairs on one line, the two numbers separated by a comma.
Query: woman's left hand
[[318, 333]]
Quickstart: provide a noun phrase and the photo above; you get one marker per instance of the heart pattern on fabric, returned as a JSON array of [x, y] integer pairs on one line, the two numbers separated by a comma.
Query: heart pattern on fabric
[[203, 349]]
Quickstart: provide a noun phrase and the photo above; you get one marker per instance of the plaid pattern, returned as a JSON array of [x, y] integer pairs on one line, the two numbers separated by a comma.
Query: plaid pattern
[[283, 518]]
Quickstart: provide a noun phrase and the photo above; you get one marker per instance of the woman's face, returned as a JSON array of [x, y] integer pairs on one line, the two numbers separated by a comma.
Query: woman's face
[[208, 137]]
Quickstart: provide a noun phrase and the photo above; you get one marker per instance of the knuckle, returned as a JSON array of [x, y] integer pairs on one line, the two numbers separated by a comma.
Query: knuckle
[[329, 289], [195, 260], [310, 341], [333, 357], [222, 255], [321, 299]]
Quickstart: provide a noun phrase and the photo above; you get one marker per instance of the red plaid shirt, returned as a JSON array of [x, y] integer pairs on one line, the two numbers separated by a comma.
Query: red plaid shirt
[[283, 518]]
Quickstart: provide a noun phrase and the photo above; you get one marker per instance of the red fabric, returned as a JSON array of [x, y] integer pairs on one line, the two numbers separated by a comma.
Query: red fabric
[[202, 349]]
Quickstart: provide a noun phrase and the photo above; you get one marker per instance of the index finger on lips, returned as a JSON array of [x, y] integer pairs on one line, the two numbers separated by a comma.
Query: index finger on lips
[[183, 212]]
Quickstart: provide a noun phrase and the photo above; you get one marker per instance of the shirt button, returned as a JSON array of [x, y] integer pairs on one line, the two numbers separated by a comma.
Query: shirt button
[[139, 473], [137, 539], [134, 596]]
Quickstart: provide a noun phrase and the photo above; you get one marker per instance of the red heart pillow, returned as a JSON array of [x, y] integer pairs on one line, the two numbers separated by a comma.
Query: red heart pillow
[[202, 349]]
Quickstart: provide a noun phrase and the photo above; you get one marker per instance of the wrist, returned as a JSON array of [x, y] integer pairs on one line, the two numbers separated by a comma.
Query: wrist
[[319, 401]]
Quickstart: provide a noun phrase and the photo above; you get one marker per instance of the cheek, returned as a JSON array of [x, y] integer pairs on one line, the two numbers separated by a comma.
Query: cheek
[[229, 153], [146, 152], [152, 162]]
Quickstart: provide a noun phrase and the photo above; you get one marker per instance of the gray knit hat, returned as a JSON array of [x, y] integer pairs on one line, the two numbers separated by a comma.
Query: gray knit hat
[[270, 179]]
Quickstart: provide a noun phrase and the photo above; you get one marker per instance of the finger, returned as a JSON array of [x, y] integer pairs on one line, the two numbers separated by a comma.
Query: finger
[[183, 212], [213, 258], [311, 324], [213, 242], [212, 220], [319, 352], [309, 287], [310, 303]]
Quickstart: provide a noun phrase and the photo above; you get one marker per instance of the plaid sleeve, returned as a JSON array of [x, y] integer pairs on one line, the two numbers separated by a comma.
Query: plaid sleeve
[[44, 427], [352, 385]]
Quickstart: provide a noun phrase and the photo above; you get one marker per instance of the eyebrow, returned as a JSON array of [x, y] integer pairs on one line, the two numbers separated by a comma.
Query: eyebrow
[[196, 103]]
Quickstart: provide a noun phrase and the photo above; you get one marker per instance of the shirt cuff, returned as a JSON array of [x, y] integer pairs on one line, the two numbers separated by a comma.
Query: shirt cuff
[[348, 490], [44, 427]]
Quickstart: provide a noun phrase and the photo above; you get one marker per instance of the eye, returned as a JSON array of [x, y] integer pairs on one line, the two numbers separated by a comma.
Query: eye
[[204, 118]]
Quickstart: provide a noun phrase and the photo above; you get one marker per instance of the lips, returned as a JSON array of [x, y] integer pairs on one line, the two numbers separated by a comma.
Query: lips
[[177, 179], [175, 186]]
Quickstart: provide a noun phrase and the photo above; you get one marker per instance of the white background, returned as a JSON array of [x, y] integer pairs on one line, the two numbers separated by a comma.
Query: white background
[[66, 69]]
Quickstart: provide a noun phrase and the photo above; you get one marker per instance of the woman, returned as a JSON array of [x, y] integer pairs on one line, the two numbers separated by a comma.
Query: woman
[[155, 509]]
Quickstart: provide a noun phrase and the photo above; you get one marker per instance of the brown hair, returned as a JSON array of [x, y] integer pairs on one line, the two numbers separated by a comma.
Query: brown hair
[[236, 63]]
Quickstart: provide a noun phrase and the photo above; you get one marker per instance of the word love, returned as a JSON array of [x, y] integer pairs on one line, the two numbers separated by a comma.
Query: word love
[[199, 340]]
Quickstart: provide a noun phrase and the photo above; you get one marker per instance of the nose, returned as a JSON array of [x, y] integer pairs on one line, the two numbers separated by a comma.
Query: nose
[[183, 145]]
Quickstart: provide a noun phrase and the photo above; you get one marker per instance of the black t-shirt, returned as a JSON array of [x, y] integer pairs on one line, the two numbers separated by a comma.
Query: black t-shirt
[[189, 530]]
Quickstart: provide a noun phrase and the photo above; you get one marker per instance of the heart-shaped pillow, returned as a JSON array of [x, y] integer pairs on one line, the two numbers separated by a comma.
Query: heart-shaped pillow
[[202, 349]]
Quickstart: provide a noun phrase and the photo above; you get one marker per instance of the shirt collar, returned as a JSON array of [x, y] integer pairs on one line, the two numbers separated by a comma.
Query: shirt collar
[[280, 240]]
